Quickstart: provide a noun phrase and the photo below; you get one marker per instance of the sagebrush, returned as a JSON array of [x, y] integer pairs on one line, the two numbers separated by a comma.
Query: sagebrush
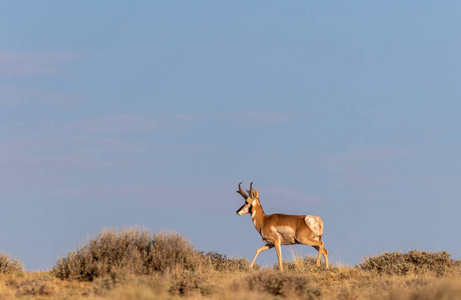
[[10, 264], [287, 285], [220, 262], [139, 252], [133, 250], [413, 262]]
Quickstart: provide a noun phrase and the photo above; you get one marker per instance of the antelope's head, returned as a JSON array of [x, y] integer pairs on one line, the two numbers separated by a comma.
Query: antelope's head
[[250, 201]]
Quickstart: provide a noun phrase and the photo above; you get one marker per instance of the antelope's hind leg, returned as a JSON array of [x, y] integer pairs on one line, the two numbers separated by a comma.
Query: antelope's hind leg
[[324, 252], [318, 245], [325, 256]]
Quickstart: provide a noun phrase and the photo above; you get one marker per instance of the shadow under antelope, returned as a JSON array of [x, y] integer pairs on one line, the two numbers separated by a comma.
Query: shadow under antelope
[[281, 229]]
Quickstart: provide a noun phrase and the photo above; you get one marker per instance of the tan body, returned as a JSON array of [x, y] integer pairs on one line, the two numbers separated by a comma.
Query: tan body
[[281, 229]]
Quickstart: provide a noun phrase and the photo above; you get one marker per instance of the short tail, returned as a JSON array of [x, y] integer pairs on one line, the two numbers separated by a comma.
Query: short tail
[[315, 224]]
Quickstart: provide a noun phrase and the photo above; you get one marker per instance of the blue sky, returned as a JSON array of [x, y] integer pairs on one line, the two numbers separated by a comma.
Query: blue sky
[[149, 113]]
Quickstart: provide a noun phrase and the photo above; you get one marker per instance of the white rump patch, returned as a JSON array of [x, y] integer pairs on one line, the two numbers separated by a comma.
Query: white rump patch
[[315, 224]]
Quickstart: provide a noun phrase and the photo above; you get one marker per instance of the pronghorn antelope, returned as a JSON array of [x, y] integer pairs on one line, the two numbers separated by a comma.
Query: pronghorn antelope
[[280, 229]]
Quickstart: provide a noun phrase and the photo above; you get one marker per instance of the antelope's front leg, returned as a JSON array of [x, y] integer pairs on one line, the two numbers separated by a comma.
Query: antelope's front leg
[[279, 254], [263, 248]]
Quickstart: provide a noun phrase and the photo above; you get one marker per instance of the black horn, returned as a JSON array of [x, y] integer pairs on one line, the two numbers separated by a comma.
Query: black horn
[[241, 192], [250, 192]]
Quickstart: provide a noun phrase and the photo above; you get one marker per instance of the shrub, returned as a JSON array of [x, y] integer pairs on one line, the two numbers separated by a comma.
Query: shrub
[[189, 283], [134, 251], [283, 284], [10, 264], [428, 290], [170, 252], [457, 265], [413, 262], [221, 263], [34, 287]]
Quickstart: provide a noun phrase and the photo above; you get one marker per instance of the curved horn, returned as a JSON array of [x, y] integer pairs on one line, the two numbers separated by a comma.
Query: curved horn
[[251, 190], [241, 192]]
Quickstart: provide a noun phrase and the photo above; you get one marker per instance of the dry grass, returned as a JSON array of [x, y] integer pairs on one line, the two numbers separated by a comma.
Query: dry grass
[[134, 264], [338, 283]]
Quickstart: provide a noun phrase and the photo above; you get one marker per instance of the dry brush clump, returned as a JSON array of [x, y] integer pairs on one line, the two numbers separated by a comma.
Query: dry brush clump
[[413, 262], [112, 258], [10, 264], [284, 284], [221, 263], [135, 251], [430, 289], [34, 286]]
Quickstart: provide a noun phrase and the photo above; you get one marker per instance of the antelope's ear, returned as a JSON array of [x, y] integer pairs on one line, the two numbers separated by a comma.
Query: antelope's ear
[[255, 194], [252, 194]]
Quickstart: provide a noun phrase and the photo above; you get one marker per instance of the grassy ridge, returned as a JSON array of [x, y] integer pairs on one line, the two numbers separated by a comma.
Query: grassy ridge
[[136, 264]]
